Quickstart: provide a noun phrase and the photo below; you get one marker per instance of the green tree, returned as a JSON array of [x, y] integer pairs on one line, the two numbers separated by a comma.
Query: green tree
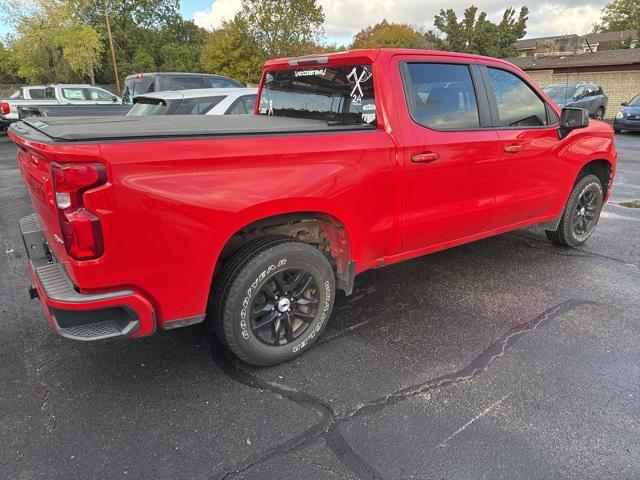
[[389, 35], [263, 29], [232, 51], [474, 33], [620, 15], [180, 57], [51, 45], [8, 66]]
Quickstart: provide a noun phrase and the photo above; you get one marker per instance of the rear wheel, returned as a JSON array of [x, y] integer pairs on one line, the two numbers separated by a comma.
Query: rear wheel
[[272, 300], [581, 213]]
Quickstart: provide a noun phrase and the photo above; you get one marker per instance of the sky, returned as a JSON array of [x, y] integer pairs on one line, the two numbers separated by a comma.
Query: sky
[[346, 17]]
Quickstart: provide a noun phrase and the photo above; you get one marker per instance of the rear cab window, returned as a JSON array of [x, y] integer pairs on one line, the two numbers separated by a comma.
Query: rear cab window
[[336, 94], [148, 106]]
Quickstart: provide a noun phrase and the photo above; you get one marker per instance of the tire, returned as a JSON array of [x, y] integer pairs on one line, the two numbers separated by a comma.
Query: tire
[[581, 213], [599, 115], [616, 131], [290, 285]]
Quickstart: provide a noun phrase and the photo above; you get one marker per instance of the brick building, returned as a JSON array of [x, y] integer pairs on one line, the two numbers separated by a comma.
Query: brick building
[[616, 71]]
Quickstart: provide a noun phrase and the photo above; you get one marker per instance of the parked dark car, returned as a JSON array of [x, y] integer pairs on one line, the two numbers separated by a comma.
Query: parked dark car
[[582, 95], [628, 118], [140, 83]]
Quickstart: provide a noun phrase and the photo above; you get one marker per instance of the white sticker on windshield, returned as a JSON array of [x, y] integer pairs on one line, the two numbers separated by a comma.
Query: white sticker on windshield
[[310, 73], [357, 79]]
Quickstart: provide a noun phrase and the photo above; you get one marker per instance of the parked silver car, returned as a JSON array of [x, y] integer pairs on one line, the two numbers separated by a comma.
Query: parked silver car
[[582, 95]]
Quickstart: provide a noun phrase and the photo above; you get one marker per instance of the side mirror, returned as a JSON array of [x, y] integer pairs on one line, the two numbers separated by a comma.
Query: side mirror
[[624, 104], [114, 99], [572, 118]]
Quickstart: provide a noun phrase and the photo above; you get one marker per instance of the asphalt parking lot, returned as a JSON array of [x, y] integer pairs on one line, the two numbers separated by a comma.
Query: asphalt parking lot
[[502, 359]]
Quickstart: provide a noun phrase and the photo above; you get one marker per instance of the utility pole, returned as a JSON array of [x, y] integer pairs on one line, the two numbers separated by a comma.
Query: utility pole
[[113, 53]]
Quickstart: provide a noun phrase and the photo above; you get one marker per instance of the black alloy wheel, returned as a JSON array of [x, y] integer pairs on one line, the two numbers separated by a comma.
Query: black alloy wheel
[[584, 216], [581, 213], [284, 307]]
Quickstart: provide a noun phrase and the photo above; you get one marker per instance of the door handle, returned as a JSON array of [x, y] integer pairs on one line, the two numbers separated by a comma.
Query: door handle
[[425, 157], [513, 148]]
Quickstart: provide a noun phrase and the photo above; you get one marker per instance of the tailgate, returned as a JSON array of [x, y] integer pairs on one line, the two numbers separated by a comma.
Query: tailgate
[[36, 173], [36, 153]]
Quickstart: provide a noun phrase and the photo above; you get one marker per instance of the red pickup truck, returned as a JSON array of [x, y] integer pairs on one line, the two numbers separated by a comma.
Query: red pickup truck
[[351, 161]]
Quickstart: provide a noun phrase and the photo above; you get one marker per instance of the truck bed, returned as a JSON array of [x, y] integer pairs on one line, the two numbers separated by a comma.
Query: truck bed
[[87, 129]]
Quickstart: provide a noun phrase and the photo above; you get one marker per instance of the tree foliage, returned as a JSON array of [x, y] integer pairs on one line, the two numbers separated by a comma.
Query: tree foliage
[[263, 29], [51, 45], [620, 15], [8, 66], [233, 52], [66, 40], [390, 35], [475, 33]]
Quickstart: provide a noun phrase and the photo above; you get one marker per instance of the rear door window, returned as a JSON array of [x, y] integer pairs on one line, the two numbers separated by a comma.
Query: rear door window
[[441, 96], [185, 83], [242, 105], [222, 83], [36, 93], [518, 105], [73, 93]]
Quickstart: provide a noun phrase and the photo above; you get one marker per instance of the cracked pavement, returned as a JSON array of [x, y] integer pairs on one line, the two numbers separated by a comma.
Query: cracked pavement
[[505, 358]]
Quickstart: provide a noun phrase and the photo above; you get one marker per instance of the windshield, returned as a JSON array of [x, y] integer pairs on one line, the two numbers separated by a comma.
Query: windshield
[[334, 94], [635, 101], [560, 91], [16, 94], [146, 106]]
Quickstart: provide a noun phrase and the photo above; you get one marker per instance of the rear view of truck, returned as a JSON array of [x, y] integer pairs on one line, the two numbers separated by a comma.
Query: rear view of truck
[[65, 230]]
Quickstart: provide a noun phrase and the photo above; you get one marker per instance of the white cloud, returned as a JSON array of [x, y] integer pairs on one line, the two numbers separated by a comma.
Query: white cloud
[[218, 11], [346, 17]]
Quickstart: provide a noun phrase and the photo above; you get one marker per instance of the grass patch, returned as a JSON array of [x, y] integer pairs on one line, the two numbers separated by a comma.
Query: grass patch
[[631, 204]]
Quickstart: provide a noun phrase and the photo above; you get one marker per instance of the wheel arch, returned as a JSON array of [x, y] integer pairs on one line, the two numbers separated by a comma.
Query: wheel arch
[[601, 168], [317, 227]]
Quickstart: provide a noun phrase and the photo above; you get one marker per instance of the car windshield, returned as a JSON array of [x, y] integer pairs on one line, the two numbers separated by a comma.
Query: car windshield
[[145, 107], [635, 101], [341, 94], [16, 94], [560, 91]]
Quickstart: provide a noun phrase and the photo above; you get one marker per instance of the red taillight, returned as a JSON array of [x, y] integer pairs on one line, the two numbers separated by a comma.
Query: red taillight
[[80, 228], [5, 108]]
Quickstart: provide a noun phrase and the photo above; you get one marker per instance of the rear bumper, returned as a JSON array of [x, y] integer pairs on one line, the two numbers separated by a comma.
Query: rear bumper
[[77, 315]]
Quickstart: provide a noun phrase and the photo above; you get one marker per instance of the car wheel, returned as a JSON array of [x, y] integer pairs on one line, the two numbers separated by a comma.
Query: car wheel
[[581, 213], [617, 130], [599, 115], [272, 300]]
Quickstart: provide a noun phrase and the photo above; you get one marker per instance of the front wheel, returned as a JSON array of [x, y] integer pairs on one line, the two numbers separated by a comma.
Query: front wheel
[[581, 213], [272, 300]]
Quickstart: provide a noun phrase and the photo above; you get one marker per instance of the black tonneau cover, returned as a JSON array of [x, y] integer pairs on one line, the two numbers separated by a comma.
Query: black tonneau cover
[[73, 129]]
